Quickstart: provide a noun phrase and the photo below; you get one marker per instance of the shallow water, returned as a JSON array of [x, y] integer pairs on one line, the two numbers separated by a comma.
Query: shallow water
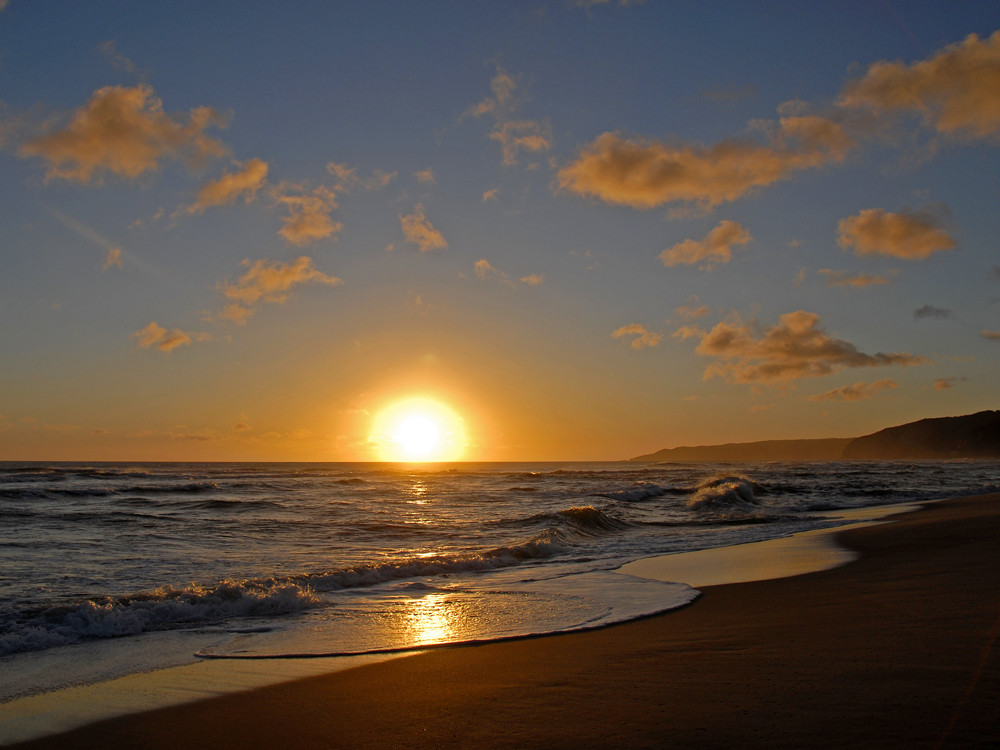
[[112, 569]]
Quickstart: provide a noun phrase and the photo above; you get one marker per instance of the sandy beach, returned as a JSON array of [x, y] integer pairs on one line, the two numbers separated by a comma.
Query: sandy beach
[[895, 649]]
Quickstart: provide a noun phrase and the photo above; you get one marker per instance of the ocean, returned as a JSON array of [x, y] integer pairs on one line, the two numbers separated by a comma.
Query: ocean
[[108, 569]]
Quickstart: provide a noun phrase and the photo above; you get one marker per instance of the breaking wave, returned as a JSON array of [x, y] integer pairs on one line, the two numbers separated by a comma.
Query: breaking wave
[[163, 609], [726, 495]]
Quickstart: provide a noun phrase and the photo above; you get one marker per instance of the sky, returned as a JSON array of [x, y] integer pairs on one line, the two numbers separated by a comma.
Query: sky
[[582, 230]]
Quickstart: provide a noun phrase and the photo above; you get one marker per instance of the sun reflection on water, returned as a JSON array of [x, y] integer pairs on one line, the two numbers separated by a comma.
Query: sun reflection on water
[[428, 619]]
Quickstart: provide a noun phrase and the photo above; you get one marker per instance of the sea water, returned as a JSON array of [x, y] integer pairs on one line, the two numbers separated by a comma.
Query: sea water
[[109, 569]]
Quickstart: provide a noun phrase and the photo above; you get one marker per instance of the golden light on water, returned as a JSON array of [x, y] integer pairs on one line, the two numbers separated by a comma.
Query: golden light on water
[[418, 429], [428, 620]]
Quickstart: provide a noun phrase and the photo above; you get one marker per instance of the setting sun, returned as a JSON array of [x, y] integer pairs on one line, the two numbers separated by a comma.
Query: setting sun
[[418, 429]]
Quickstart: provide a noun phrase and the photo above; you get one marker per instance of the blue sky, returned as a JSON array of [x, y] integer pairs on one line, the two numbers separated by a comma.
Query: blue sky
[[244, 230]]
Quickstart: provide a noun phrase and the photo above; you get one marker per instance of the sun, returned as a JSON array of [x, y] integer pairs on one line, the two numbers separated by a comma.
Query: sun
[[418, 429]]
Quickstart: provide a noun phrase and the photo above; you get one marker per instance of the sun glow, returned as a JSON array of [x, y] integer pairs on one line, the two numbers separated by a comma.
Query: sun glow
[[418, 429]]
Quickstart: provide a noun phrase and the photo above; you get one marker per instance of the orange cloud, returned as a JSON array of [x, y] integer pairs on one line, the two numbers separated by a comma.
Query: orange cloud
[[842, 278], [485, 269], [155, 335], [420, 232], [308, 219], [943, 384], [795, 348], [124, 131], [503, 86], [643, 336], [856, 392], [113, 258], [516, 136], [911, 236], [955, 91], [229, 187], [347, 178], [690, 312], [647, 174], [715, 248], [425, 176], [991, 335], [269, 282]]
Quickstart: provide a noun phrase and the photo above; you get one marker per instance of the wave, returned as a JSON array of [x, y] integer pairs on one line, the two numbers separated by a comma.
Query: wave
[[726, 495], [169, 608], [163, 609], [638, 493], [49, 493]]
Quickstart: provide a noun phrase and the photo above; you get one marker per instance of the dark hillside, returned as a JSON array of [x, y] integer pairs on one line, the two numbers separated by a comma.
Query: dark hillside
[[971, 436]]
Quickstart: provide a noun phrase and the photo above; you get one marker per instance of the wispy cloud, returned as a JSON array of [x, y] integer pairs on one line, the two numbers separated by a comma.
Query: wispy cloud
[[158, 337], [113, 259], [418, 230], [229, 187], [856, 281], [117, 60], [944, 384], [797, 347], [908, 235], [425, 176], [692, 311], [643, 337], [124, 131], [716, 248], [347, 178], [991, 335], [484, 270], [929, 311], [515, 135], [269, 281], [857, 392]]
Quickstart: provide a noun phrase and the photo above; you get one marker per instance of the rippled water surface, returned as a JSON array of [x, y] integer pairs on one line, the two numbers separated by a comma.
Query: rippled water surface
[[262, 559]]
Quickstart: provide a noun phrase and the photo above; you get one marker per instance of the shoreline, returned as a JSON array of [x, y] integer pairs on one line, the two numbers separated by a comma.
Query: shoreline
[[64, 709], [714, 650]]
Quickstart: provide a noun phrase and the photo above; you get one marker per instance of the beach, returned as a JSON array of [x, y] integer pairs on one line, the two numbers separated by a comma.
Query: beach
[[894, 649]]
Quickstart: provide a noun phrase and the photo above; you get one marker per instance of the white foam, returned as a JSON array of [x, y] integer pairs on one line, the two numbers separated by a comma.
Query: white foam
[[805, 552]]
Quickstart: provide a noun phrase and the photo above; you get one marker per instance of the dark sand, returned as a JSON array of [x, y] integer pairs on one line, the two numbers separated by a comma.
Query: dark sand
[[896, 649]]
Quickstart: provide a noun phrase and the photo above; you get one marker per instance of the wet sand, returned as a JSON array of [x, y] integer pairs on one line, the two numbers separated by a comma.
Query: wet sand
[[895, 649]]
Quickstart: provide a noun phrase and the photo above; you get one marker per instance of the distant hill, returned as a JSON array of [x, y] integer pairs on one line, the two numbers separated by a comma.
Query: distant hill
[[823, 449], [971, 436]]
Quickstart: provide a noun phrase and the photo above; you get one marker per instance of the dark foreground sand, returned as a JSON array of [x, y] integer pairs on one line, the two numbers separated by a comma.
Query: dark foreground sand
[[897, 649]]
